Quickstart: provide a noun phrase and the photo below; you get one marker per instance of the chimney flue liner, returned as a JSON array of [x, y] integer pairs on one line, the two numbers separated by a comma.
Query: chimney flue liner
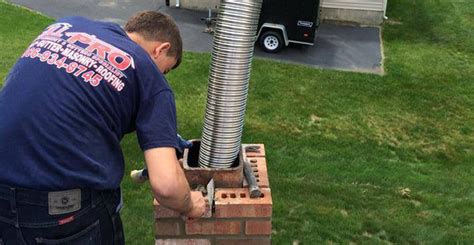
[[229, 76]]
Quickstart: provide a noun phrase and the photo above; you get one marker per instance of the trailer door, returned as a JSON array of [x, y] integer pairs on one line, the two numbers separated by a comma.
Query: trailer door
[[302, 20]]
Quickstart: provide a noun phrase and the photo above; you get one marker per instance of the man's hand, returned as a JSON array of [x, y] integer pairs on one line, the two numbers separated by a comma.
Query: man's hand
[[198, 206], [183, 144]]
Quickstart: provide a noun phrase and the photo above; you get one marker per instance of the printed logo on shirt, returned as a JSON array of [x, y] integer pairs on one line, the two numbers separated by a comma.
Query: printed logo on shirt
[[82, 55]]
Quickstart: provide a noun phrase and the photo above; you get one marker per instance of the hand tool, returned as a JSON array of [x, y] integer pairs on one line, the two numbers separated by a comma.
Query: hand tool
[[254, 190]]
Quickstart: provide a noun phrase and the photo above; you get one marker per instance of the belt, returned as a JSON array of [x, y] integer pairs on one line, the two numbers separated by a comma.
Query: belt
[[41, 198]]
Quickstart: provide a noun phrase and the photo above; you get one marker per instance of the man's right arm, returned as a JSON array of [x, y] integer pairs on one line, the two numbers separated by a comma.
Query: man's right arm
[[169, 183]]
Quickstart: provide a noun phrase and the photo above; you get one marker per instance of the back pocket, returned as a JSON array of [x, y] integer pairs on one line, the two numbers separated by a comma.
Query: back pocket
[[90, 235]]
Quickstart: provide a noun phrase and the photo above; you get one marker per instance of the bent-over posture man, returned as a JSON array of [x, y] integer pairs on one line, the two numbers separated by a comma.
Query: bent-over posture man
[[64, 108]]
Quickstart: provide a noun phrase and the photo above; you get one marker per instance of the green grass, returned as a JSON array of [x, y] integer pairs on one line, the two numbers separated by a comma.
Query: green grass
[[342, 146]]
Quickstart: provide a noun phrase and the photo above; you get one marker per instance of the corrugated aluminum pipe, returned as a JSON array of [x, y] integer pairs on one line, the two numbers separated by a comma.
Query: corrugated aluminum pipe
[[229, 76]]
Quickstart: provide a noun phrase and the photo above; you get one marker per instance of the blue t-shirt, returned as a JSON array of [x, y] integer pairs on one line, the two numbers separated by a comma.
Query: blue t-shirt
[[69, 100]]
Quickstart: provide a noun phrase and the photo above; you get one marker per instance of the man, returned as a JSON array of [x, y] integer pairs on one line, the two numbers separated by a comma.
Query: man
[[66, 104]]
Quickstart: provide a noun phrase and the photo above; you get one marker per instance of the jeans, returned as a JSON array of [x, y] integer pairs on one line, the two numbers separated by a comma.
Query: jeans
[[25, 219]]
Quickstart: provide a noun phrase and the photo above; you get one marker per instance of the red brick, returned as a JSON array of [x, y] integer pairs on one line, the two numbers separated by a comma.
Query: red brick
[[263, 227], [213, 227], [228, 177], [182, 242], [236, 203], [163, 212], [167, 228], [247, 241], [260, 153], [259, 167]]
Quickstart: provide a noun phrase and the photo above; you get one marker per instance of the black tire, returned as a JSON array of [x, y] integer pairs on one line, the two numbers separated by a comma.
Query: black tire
[[271, 41]]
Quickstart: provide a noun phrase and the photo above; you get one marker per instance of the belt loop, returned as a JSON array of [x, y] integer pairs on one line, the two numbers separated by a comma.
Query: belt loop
[[13, 201], [94, 198], [13, 206], [120, 204]]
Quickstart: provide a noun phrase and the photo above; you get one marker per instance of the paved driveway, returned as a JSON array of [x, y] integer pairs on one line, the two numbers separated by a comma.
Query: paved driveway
[[336, 47]]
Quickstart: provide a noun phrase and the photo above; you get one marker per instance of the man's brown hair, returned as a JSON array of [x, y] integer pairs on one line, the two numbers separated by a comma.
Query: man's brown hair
[[156, 26]]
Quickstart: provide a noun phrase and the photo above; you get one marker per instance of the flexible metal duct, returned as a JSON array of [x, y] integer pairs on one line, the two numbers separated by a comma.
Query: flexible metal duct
[[234, 39]]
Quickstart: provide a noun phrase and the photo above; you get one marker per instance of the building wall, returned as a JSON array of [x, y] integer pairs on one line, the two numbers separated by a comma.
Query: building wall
[[196, 4], [353, 16], [365, 12], [370, 5]]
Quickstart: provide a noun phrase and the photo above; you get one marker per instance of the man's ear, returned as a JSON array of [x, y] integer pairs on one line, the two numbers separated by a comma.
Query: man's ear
[[161, 48]]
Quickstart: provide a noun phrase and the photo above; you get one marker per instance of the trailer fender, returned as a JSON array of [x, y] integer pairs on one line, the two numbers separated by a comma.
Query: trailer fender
[[275, 27]]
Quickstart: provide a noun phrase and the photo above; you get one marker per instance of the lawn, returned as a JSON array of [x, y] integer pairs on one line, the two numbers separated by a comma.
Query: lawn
[[352, 157]]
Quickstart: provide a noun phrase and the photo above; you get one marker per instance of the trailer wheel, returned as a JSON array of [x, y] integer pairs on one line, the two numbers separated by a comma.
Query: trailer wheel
[[271, 41]]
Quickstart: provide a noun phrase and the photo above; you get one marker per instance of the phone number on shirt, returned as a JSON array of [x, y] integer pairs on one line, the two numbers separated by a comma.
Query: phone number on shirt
[[54, 59]]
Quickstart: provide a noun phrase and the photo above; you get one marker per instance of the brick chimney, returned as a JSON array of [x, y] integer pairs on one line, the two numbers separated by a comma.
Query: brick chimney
[[233, 218]]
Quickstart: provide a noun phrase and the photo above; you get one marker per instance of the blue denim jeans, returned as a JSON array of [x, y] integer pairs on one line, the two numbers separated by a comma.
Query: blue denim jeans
[[25, 219]]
